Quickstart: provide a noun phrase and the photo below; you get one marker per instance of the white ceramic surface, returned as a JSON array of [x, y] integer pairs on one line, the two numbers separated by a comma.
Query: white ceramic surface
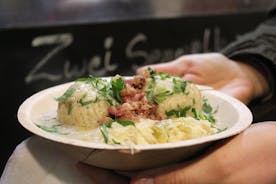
[[231, 114]]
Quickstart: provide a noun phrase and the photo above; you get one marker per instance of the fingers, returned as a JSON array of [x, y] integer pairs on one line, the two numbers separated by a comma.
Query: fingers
[[99, 176], [173, 68], [196, 79], [164, 67]]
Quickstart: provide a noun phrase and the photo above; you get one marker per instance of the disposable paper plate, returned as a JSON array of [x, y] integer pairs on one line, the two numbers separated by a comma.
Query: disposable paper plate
[[231, 114]]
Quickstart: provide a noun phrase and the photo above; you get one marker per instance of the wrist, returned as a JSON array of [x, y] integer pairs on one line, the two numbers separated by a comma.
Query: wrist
[[258, 80]]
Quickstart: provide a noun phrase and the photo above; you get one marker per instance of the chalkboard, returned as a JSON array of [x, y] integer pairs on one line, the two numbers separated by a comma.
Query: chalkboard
[[36, 58]]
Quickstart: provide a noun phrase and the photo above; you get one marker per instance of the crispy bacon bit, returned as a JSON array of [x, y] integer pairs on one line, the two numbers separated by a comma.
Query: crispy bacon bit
[[105, 120], [137, 82], [146, 74], [134, 105]]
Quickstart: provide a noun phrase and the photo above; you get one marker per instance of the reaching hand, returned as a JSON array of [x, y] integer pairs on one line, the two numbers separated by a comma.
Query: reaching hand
[[215, 70]]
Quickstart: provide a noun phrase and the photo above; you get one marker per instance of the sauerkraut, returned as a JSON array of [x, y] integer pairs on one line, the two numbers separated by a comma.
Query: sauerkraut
[[148, 131]]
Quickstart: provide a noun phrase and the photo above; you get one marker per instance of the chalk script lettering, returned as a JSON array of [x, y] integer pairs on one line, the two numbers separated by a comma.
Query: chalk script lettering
[[100, 64], [158, 55], [62, 41], [206, 40], [134, 54], [94, 64], [217, 43], [107, 57], [148, 57], [73, 71]]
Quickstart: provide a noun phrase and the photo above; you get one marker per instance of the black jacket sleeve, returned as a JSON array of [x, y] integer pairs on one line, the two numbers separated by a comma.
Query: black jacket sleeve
[[258, 48]]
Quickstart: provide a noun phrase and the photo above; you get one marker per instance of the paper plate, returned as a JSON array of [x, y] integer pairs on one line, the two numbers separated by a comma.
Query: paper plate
[[231, 114]]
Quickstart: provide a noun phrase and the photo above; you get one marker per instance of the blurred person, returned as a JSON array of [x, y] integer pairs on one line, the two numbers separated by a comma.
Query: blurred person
[[245, 69]]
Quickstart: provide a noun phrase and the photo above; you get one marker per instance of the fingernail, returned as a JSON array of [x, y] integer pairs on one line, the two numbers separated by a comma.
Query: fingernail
[[144, 181]]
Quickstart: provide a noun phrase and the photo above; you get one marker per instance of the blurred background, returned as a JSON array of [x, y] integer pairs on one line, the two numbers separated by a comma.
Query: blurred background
[[48, 42]]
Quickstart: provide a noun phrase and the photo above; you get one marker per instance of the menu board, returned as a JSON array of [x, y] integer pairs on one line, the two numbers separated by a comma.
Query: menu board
[[36, 58]]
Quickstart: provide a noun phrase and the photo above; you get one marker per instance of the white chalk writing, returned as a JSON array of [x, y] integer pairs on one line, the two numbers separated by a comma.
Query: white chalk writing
[[100, 64]]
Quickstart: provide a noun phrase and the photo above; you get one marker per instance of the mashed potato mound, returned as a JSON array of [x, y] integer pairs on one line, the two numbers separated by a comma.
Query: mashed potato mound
[[85, 107]]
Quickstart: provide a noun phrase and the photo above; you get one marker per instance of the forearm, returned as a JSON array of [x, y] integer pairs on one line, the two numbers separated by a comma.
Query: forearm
[[259, 80], [257, 49], [260, 42]]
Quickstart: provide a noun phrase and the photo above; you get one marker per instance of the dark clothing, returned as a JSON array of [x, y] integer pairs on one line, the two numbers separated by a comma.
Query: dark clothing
[[259, 49]]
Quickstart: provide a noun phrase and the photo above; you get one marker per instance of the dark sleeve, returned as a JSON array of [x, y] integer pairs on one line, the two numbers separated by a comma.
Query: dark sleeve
[[258, 48]]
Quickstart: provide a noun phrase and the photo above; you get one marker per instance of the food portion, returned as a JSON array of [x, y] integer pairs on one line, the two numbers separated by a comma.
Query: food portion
[[172, 94], [148, 131], [149, 108], [85, 104]]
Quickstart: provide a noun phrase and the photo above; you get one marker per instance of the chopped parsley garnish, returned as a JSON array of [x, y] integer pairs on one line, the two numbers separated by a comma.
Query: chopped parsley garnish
[[94, 81], [154, 74], [115, 142], [160, 97], [105, 92], [221, 130], [117, 84], [70, 108], [203, 116], [52, 129], [164, 76], [207, 108], [66, 95], [156, 93], [151, 72], [157, 90], [125, 122], [104, 131], [180, 112], [103, 87], [83, 102], [179, 85], [104, 127], [208, 111]]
